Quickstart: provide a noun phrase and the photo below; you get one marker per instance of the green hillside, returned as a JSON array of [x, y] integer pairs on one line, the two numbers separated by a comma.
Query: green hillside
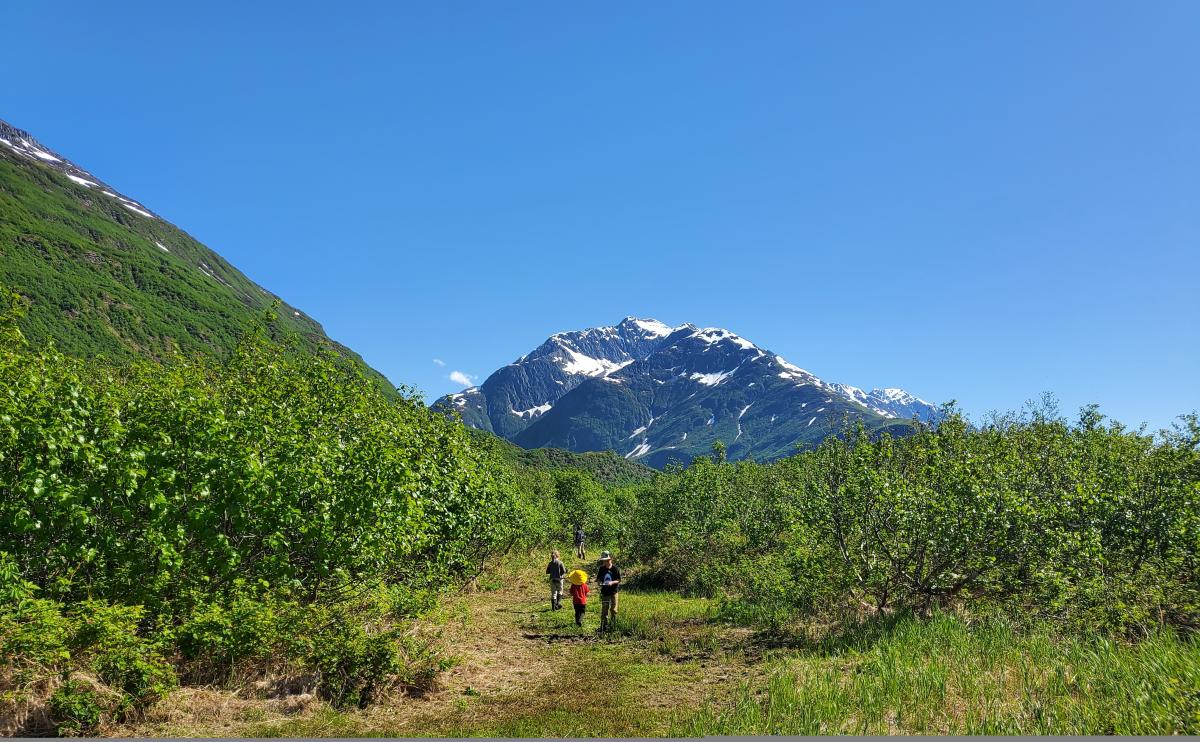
[[605, 467], [105, 281]]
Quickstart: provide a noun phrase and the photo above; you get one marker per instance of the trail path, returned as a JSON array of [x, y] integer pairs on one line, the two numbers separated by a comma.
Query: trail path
[[521, 670]]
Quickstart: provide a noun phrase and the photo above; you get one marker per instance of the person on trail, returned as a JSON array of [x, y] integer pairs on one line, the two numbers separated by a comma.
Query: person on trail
[[556, 570], [579, 594], [608, 577], [579, 550]]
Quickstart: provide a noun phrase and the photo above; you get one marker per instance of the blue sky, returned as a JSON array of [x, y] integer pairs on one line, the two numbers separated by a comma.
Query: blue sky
[[980, 201]]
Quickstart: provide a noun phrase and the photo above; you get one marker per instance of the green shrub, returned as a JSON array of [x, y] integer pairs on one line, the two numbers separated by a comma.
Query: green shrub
[[1085, 524], [75, 709], [109, 637], [42, 641], [158, 485], [271, 510]]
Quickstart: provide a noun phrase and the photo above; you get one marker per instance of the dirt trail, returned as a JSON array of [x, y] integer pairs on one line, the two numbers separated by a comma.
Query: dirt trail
[[516, 663]]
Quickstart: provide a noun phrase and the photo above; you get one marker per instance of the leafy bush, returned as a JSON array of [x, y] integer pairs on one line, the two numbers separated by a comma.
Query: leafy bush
[[159, 485], [92, 655], [348, 652], [1086, 523], [274, 509], [75, 709]]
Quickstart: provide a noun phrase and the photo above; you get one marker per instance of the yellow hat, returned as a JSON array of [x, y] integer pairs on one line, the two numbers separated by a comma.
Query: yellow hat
[[577, 577]]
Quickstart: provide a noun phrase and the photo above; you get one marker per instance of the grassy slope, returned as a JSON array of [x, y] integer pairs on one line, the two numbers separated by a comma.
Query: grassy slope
[[942, 677], [673, 669], [99, 283]]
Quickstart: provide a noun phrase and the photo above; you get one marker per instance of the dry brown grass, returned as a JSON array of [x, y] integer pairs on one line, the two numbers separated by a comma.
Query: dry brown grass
[[23, 707]]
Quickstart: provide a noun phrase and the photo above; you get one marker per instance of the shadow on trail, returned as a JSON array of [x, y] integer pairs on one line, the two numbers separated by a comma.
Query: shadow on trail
[[849, 634], [523, 611], [550, 637]]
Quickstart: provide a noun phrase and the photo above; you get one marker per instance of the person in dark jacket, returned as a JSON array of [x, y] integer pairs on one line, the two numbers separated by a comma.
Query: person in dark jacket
[[608, 577], [556, 569], [579, 550]]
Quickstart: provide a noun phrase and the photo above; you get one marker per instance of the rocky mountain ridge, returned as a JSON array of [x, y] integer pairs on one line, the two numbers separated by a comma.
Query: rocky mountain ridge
[[655, 392]]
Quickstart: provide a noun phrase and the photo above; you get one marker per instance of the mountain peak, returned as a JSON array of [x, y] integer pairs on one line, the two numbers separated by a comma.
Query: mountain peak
[[652, 391], [651, 327], [714, 335]]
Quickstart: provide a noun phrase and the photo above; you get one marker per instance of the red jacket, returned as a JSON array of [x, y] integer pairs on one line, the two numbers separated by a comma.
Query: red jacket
[[579, 594]]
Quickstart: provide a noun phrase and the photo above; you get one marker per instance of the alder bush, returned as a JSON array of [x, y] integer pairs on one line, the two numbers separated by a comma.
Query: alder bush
[[277, 479], [1084, 523]]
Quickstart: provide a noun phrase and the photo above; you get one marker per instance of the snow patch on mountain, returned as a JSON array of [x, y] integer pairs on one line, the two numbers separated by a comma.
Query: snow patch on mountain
[[533, 412], [460, 399], [794, 373], [712, 379], [24, 144], [29, 148], [641, 430], [588, 366], [652, 327], [81, 181], [137, 210], [715, 335], [889, 402], [639, 450]]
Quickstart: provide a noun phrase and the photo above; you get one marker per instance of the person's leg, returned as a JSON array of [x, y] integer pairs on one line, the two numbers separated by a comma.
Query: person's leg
[[579, 609], [612, 618], [605, 609]]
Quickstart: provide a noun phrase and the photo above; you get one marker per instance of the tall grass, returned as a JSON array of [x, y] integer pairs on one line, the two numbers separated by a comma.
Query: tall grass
[[940, 676]]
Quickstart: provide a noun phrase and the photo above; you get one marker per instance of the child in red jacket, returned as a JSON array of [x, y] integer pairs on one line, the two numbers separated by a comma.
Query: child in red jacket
[[579, 595]]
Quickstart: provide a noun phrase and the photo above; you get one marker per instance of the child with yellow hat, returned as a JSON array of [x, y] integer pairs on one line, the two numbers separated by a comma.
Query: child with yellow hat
[[579, 593]]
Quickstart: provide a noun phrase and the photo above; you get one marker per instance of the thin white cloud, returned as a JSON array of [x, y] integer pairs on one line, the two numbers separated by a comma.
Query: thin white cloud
[[458, 377], [439, 361]]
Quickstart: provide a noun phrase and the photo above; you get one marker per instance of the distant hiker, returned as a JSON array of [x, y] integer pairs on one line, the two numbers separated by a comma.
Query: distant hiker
[[579, 550], [579, 593], [556, 569], [608, 577]]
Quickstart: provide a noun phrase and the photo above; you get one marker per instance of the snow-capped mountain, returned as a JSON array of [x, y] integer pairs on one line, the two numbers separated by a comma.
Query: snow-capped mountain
[[521, 392], [891, 402], [654, 393]]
